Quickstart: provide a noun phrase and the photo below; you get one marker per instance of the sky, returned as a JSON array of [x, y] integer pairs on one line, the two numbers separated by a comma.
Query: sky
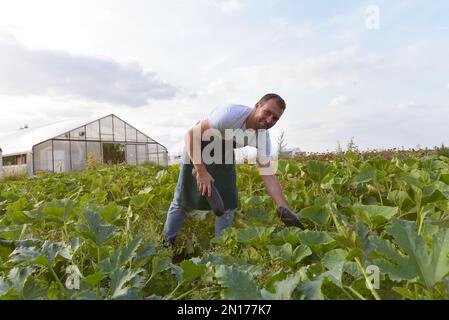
[[375, 71]]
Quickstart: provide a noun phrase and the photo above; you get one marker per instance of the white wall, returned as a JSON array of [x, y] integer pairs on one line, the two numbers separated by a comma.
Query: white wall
[[18, 169], [30, 164], [14, 170]]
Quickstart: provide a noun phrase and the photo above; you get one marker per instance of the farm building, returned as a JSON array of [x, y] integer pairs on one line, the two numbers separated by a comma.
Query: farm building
[[65, 146]]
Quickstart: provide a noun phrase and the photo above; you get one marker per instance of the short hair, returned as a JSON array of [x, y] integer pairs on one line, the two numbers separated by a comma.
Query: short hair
[[279, 101]]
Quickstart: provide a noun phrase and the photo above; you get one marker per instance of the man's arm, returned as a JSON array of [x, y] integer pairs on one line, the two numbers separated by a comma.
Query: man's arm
[[283, 211], [274, 190], [193, 138]]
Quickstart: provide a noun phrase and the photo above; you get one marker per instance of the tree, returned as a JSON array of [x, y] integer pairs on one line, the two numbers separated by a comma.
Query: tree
[[339, 150], [351, 146], [281, 143]]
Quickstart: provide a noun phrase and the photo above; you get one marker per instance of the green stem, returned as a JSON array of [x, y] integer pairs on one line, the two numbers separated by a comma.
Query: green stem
[[374, 293], [98, 259], [98, 290], [420, 225], [22, 233], [66, 232], [380, 195], [356, 293], [184, 294], [337, 225], [421, 217], [347, 293], [177, 287], [98, 254], [57, 279], [148, 281]]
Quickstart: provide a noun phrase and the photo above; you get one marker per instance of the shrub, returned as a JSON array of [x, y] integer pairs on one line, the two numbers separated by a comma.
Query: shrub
[[443, 151]]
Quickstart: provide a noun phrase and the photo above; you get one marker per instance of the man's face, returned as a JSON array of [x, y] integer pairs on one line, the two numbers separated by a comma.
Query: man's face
[[268, 114]]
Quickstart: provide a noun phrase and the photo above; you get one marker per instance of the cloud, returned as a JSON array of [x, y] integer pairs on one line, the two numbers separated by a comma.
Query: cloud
[[411, 105], [27, 72], [228, 6], [284, 31], [341, 101], [373, 125], [335, 69], [39, 111]]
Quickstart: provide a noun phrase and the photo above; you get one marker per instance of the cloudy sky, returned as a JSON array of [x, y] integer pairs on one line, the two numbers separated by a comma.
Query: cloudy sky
[[374, 70]]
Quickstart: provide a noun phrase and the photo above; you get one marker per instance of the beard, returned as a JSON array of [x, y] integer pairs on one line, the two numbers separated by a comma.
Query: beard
[[259, 124], [262, 125]]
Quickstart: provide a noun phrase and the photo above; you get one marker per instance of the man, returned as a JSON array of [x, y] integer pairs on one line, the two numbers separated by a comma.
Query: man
[[232, 126]]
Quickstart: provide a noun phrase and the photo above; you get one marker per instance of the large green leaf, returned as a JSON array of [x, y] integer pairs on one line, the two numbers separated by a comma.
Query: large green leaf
[[287, 235], [44, 256], [111, 212], [237, 283], [287, 254], [121, 257], [393, 262], [52, 250], [432, 194], [317, 170], [366, 174], [431, 164], [317, 240], [273, 278], [141, 200], [94, 279], [35, 289], [4, 287], [334, 261], [95, 230], [16, 211], [300, 253], [119, 279], [283, 252], [13, 286], [255, 235], [18, 277], [283, 289], [56, 211], [445, 178], [374, 213], [380, 163], [311, 290], [317, 213], [400, 198], [412, 180], [191, 270], [10, 232], [160, 264], [429, 262]]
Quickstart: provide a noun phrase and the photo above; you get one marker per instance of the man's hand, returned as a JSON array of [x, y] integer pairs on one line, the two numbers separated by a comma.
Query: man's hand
[[290, 218], [203, 181]]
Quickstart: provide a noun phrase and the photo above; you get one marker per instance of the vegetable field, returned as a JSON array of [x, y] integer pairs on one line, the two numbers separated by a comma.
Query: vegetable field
[[376, 228]]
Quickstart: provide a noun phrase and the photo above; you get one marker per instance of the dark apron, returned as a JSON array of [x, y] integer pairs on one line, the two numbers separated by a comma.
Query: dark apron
[[225, 180]]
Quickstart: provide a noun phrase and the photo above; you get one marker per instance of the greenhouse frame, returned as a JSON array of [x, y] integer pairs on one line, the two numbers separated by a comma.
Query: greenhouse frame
[[107, 140]]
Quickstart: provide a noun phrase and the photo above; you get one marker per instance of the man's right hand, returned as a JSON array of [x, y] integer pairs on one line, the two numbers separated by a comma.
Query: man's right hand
[[203, 181]]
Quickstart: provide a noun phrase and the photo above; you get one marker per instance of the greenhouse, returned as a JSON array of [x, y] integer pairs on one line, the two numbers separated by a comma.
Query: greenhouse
[[67, 146]]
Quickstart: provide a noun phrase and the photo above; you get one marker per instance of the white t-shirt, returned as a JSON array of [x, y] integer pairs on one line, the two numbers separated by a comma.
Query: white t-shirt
[[234, 117]]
